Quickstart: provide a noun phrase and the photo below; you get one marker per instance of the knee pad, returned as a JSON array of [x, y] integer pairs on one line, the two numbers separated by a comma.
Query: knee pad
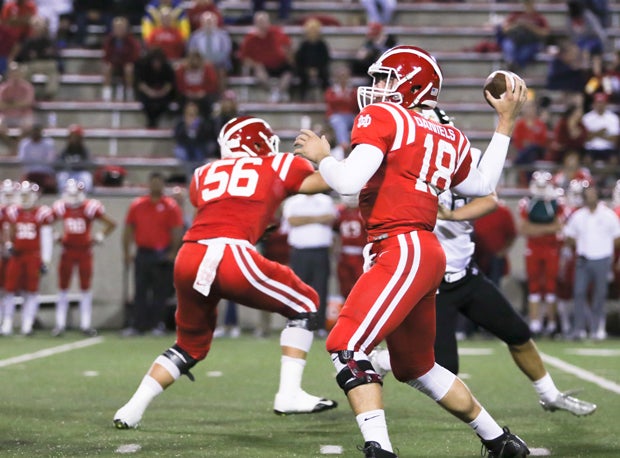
[[309, 321], [435, 383], [354, 371], [181, 360]]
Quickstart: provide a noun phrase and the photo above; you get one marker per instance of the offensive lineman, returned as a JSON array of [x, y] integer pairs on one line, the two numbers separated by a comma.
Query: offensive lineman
[[77, 214], [235, 199]]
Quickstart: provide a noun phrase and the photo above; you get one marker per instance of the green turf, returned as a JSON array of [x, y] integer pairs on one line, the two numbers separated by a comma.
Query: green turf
[[50, 408]]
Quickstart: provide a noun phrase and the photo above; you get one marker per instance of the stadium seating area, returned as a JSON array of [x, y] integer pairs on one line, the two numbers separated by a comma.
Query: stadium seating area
[[114, 130]]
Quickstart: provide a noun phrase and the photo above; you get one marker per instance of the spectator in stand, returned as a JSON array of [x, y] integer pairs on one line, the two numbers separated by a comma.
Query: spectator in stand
[[91, 12], [8, 42], [223, 111], [380, 11], [284, 10], [154, 85], [376, 43], [196, 81], [530, 137], [585, 30], [541, 222], [167, 36], [16, 100], [38, 54], [310, 219], [193, 140], [352, 230], [265, 65], [569, 134], [594, 230], [312, 60], [74, 161], [522, 35], [341, 103], [133, 10], [494, 235], [121, 50], [215, 46], [154, 225], [53, 11], [17, 14], [37, 155], [152, 18], [571, 170], [566, 70], [603, 128], [198, 8]]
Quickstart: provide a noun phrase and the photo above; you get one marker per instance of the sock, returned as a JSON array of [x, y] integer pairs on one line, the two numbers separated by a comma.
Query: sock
[[373, 427], [291, 372], [86, 309], [62, 307], [485, 426], [546, 389], [148, 390], [29, 311], [9, 306]]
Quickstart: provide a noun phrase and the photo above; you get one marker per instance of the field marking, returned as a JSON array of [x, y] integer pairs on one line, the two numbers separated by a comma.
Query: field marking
[[581, 373], [128, 448], [50, 351], [331, 449], [540, 451], [593, 351], [475, 351]]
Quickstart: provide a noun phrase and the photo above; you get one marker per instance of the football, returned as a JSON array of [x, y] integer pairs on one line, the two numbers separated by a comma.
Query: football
[[496, 83]]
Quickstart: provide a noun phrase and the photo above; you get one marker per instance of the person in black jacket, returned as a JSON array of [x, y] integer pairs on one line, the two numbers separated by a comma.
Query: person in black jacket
[[194, 142], [74, 160], [312, 60], [154, 85]]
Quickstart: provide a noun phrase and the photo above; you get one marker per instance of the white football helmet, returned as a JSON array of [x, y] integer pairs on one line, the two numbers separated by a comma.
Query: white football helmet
[[8, 192], [541, 185], [412, 78], [574, 193], [247, 136], [28, 194], [74, 193]]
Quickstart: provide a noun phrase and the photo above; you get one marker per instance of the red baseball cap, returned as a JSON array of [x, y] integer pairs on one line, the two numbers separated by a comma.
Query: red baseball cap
[[601, 97]]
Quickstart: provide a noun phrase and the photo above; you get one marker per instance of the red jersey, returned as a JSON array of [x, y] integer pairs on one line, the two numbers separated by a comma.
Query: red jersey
[[526, 134], [422, 157], [275, 41], [13, 12], [27, 224], [169, 39], [77, 221], [350, 225], [191, 81], [539, 211], [153, 221], [237, 197]]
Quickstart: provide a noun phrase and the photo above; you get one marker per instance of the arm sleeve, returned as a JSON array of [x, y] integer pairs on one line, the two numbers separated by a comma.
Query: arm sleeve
[[484, 179], [351, 174]]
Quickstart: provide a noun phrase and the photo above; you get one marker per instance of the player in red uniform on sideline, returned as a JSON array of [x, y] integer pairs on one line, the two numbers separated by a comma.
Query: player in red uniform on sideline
[[77, 214], [30, 246], [7, 198], [235, 199], [352, 230], [541, 218], [400, 162]]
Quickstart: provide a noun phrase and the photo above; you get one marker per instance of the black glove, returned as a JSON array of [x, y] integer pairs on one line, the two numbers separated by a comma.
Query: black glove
[[44, 268]]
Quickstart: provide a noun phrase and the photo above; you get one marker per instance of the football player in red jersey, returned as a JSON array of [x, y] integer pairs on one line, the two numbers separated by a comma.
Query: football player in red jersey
[[541, 222], [30, 244], [77, 214], [350, 225], [400, 162], [7, 198], [235, 199]]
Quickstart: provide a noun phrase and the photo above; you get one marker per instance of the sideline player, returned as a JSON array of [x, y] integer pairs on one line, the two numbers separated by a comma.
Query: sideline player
[[401, 162], [77, 214], [30, 246], [235, 199]]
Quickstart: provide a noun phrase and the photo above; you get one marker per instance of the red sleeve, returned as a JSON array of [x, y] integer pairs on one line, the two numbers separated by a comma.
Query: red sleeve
[[245, 48], [135, 48], [374, 126], [193, 188], [130, 219], [509, 222], [517, 134], [283, 38], [463, 170], [180, 79], [299, 170]]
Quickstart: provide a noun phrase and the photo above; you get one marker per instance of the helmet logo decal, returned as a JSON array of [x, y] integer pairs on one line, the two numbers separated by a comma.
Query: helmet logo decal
[[364, 121]]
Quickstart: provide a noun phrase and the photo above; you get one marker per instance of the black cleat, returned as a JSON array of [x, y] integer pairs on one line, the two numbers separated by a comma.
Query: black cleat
[[507, 445], [372, 449]]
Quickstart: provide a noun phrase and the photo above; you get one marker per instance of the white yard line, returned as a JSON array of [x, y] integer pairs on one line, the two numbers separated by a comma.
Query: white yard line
[[581, 373], [50, 351]]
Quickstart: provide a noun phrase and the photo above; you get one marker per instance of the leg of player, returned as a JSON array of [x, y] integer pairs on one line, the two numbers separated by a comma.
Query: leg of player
[[534, 313], [164, 371], [62, 308], [29, 312], [551, 314], [86, 313], [295, 341], [9, 311]]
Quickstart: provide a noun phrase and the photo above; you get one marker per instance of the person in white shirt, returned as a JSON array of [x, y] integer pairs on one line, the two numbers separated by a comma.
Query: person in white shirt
[[593, 230], [603, 128], [310, 220]]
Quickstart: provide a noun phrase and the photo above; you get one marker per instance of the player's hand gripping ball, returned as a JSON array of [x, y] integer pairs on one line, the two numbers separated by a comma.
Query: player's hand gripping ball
[[496, 83]]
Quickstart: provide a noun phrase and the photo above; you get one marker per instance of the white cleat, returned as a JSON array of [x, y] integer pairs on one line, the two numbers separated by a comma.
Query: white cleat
[[573, 405], [126, 418], [302, 402]]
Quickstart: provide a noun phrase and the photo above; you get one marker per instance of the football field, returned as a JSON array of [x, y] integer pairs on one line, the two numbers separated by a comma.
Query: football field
[[58, 397]]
